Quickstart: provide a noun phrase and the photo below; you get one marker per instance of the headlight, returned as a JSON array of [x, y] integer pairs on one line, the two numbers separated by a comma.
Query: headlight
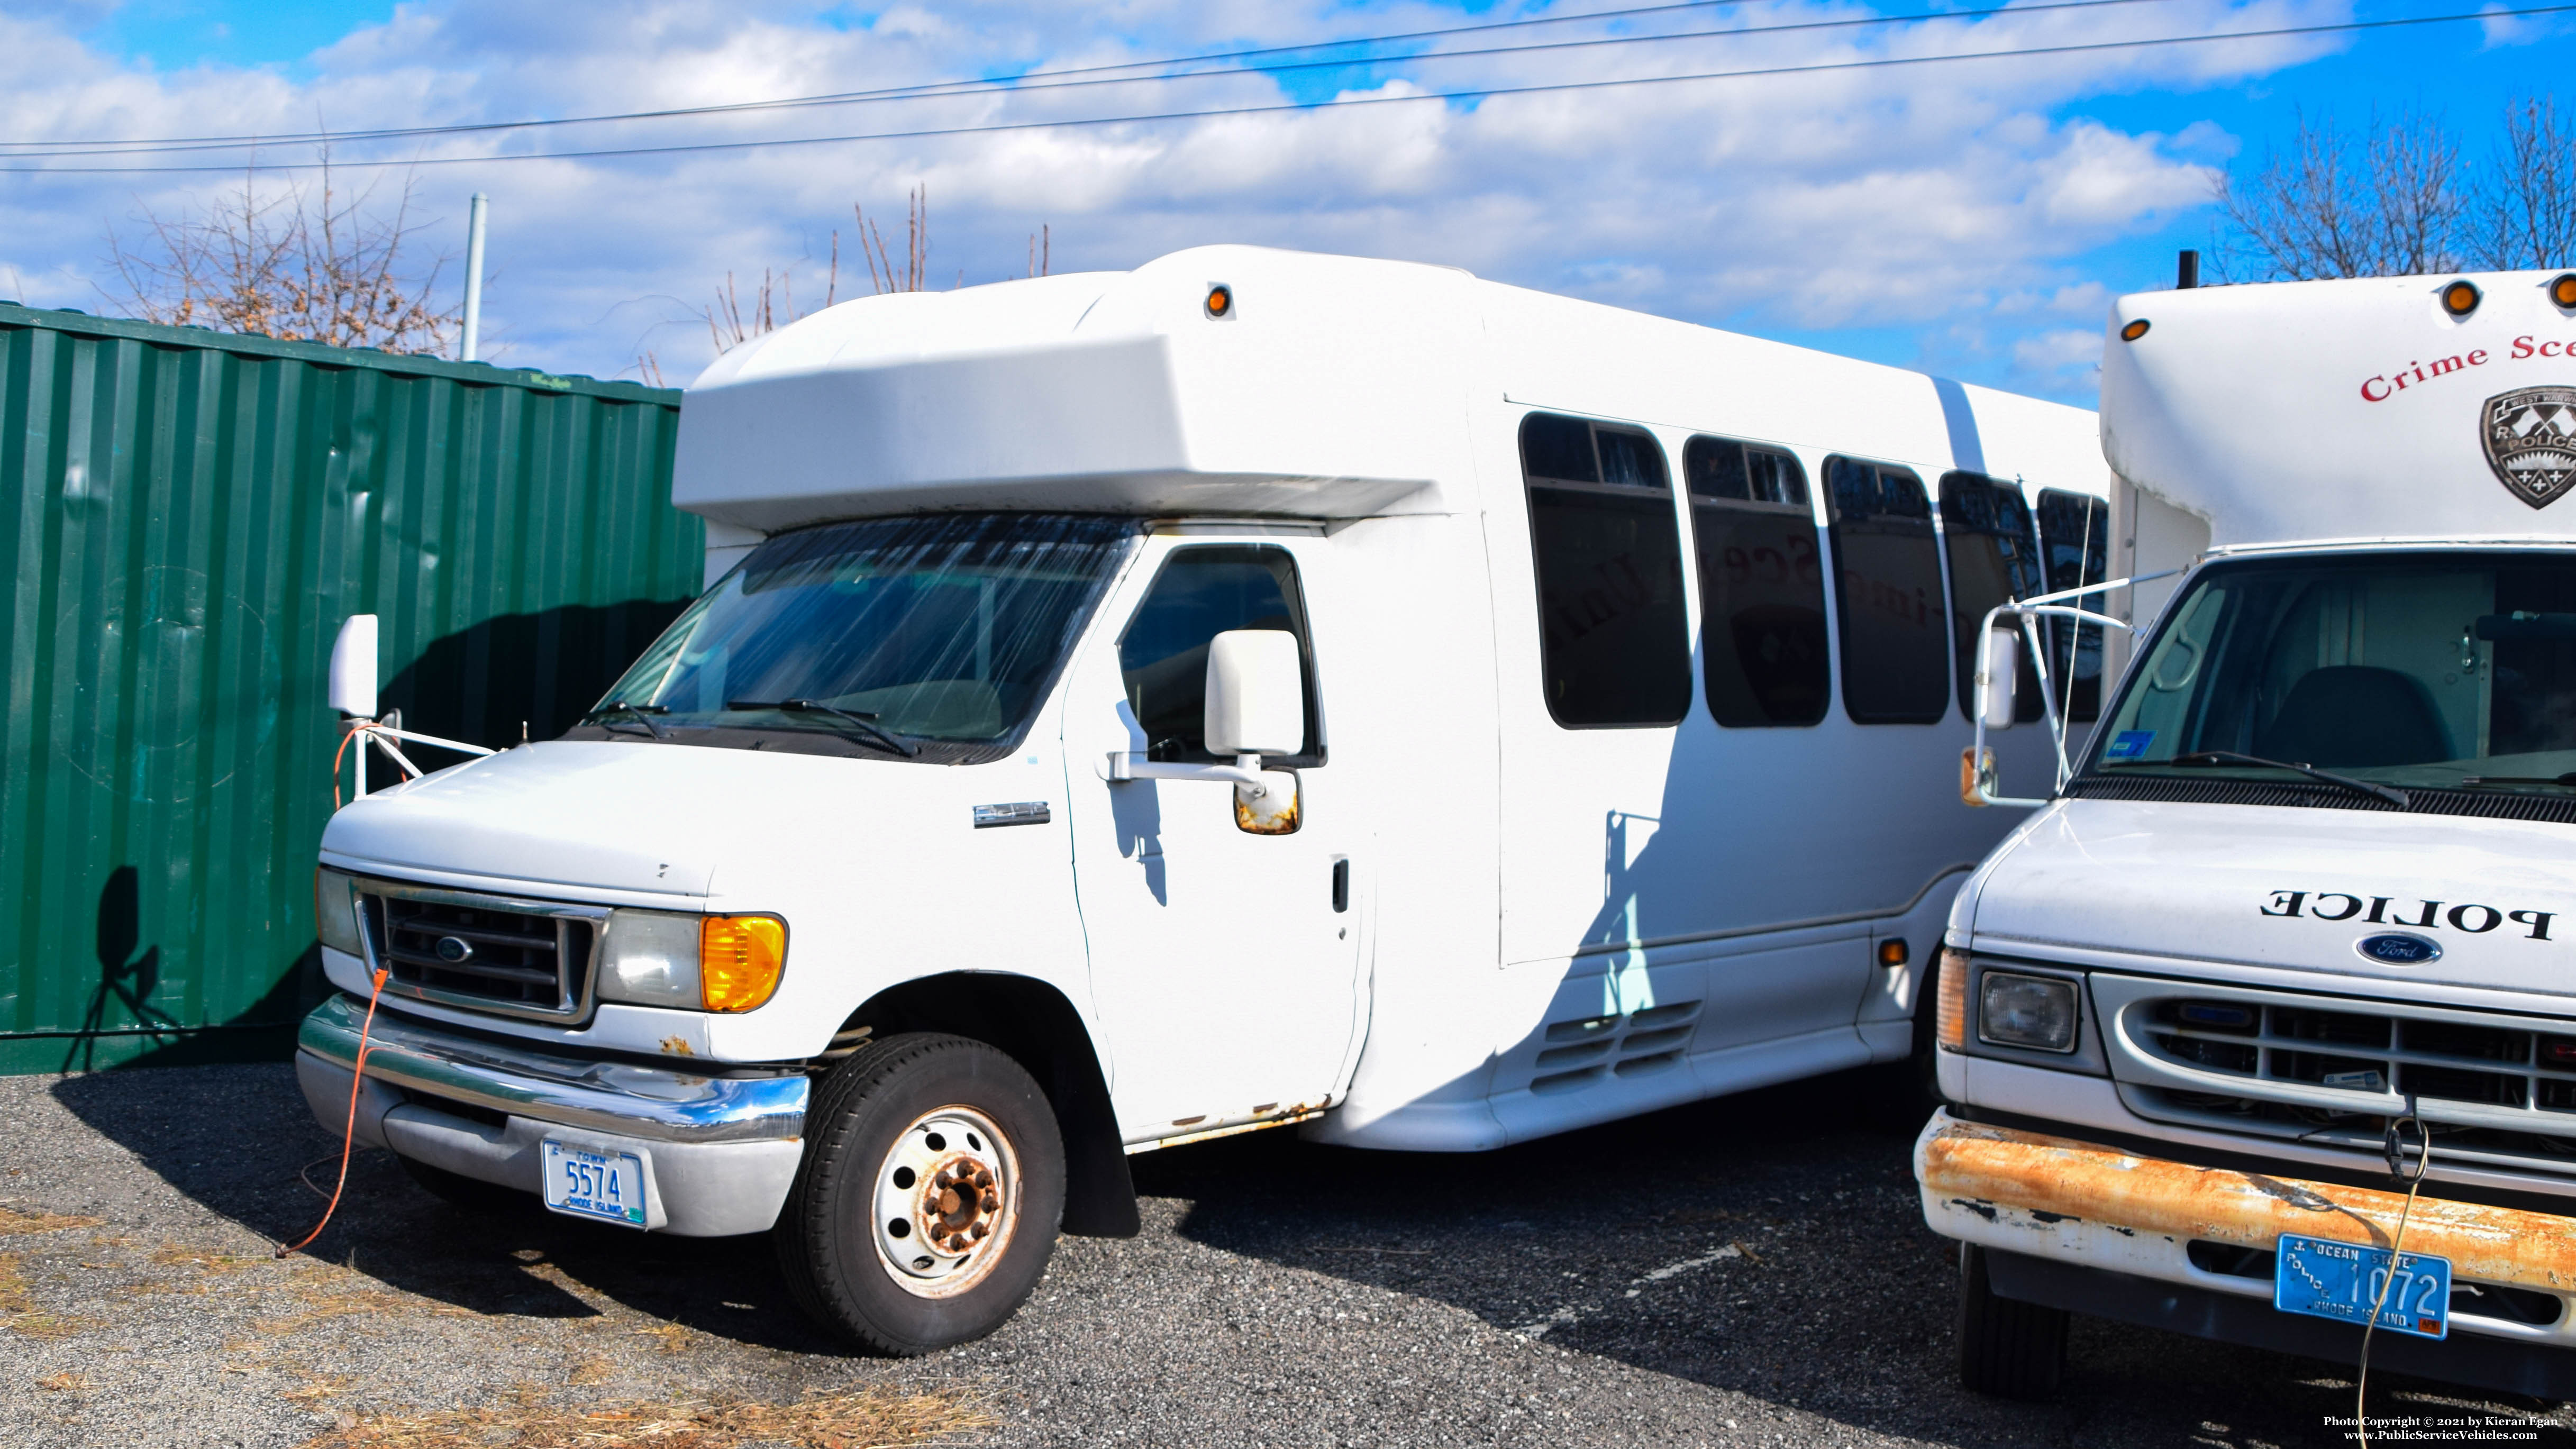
[[2037, 1012], [335, 912], [710, 963]]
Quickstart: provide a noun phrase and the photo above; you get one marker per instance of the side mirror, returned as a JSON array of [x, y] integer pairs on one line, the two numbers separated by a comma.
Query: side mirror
[[1256, 693], [353, 667], [1996, 684]]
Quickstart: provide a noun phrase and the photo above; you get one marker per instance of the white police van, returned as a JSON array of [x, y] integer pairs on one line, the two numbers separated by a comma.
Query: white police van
[[1253, 689], [2304, 902]]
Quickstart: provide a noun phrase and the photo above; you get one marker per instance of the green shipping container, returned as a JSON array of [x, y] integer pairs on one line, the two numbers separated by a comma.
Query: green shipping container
[[189, 516]]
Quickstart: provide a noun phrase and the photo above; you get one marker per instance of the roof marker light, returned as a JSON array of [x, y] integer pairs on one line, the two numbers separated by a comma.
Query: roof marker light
[[1220, 302], [2134, 330], [2460, 298], [2563, 290]]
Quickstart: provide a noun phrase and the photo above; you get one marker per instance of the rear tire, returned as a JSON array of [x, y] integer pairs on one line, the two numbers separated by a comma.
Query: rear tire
[[929, 1197], [2007, 1348]]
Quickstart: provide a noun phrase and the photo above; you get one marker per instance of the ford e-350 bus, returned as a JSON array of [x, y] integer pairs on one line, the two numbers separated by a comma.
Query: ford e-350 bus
[[1253, 689], [2305, 902]]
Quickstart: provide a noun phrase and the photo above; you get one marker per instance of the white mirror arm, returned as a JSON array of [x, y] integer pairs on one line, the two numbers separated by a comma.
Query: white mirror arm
[[1245, 771]]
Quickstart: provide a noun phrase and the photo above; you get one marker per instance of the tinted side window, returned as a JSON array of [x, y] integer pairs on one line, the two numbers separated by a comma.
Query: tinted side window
[[2075, 532], [1887, 579], [1761, 584], [1614, 642], [1201, 593], [1994, 559]]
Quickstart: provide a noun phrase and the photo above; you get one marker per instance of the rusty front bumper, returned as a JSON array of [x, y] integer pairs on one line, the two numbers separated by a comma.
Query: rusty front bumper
[[2076, 1202]]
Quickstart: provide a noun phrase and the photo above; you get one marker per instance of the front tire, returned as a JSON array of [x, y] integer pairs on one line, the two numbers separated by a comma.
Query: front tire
[[2008, 1348], [928, 1200]]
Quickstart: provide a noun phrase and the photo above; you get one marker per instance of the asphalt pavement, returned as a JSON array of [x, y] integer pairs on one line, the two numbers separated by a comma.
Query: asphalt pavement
[[1749, 1271]]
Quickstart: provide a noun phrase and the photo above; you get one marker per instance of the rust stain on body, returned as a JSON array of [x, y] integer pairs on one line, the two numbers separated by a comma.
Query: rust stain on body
[[677, 1046], [2042, 1174]]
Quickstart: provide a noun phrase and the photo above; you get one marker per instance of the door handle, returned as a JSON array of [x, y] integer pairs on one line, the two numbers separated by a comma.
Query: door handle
[[1341, 886]]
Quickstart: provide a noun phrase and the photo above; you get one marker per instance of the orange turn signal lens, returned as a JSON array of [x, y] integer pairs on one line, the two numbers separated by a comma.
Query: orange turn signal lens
[[2563, 290], [739, 958], [2460, 298], [1893, 951], [1220, 300], [1951, 1025], [2134, 330]]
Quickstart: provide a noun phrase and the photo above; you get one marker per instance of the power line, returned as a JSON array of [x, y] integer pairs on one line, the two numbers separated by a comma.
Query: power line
[[1338, 103], [973, 86], [214, 144]]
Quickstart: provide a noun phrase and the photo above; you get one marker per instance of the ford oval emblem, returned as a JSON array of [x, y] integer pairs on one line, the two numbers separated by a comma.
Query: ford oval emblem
[[2393, 949], [453, 949]]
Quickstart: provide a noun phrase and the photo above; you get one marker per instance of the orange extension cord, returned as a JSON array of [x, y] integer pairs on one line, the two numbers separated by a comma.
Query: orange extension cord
[[349, 1133]]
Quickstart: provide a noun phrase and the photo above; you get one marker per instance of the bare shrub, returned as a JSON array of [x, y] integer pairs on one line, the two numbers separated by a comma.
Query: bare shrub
[[308, 262]]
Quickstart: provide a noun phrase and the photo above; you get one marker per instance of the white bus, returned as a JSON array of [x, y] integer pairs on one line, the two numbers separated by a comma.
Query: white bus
[[2290, 942], [1254, 689]]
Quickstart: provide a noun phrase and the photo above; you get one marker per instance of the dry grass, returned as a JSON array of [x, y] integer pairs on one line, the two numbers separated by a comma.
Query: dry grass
[[13, 1221], [671, 1337], [868, 1419], [19, 1313], [69, 1381]]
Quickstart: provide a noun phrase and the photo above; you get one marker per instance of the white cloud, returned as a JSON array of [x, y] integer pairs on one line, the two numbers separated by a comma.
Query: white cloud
[[1936, 195]]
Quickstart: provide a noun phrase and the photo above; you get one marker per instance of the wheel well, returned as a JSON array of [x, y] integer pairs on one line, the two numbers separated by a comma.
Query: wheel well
[[1033, 1024]]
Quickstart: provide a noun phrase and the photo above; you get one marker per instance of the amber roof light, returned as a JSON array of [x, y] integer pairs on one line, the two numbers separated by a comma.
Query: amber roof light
[[2460, 298], [2563, 290], [1220, 300], [2134, 330]]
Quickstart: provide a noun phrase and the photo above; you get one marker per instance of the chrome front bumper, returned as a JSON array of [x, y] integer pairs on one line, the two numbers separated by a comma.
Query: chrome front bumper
[[720, 1149]]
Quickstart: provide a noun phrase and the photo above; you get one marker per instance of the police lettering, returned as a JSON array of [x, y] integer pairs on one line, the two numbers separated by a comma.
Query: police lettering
[[2472, 918]]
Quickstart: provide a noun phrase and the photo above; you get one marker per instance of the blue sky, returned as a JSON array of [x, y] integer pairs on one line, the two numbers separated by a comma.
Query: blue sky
[[1970, 218]]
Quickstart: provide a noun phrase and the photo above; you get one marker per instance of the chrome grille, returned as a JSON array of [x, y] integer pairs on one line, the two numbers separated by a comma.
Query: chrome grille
[[486, 953], [2332, 1071]]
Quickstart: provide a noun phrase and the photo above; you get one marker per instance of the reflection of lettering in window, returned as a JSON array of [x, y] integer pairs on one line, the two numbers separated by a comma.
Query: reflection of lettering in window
[[1162, 656], [1762, 587], [1887, 569], [1994, 559], [1614, 644]]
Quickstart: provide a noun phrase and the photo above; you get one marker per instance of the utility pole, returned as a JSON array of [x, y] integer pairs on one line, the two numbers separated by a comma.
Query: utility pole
[[473, 282]]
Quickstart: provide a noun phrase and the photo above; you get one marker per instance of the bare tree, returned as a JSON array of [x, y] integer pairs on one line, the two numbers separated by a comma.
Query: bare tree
[[2399, 199], [306, 262], [2527, 210], [2386, 204]]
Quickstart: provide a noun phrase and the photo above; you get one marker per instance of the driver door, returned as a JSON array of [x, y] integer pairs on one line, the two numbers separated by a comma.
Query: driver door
[[1223, 962]]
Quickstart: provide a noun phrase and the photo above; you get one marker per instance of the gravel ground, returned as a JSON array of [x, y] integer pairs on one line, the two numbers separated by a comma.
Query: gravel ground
[[1748, 1271]]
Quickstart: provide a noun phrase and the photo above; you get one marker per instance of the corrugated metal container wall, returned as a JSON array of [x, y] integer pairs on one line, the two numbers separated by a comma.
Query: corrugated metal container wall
[[188, 518]]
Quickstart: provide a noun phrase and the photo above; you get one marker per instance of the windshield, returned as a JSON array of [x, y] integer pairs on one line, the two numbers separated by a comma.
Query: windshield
[[2434, 671], [938, 630]]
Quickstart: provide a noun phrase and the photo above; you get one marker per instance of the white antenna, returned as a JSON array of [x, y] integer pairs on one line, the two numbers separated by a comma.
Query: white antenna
[[473, 346]]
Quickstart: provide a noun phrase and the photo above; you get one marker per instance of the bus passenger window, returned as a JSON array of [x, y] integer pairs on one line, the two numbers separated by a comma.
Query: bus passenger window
[[2075, 534], [1887, 580], [1994, 559], [1761, 584], [1614, 642]]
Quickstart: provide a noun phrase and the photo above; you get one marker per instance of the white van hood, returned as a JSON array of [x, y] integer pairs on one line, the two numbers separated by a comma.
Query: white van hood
[[2289, 888], [641, 817]]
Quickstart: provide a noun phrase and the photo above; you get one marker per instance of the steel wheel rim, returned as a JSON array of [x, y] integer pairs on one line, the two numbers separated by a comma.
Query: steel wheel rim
[[946, 1202]]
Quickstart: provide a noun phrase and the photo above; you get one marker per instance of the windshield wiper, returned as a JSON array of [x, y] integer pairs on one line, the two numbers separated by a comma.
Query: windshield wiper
[[867, 723], [2389, 793], [643, 715]]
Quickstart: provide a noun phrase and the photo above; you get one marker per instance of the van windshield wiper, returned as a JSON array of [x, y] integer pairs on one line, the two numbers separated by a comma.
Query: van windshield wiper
[[2471, 782], [867, 723], [2389, 793], [643, 714]]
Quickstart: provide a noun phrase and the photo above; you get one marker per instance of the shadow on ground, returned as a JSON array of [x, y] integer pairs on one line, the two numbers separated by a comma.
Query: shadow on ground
[[243, 1145], [1770, 1243]]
